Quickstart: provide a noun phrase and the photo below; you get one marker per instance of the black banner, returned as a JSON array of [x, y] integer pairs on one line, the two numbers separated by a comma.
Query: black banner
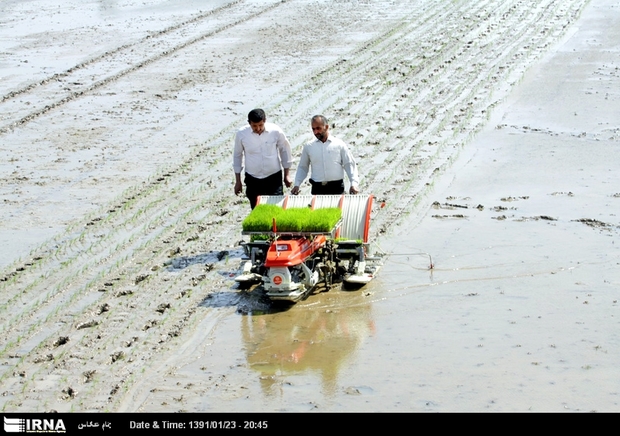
[[244, 423], [232, 423]]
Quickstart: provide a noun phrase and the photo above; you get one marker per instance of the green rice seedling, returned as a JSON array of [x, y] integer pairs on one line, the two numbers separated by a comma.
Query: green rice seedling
[[323, 220], [292, 220], [261, 218], [296, 219]]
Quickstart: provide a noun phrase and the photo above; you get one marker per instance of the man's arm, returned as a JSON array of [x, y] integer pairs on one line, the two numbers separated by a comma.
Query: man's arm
[[302, 170], [287, 178], [238, 184], [286, 158], [238, 163], [350, 167]]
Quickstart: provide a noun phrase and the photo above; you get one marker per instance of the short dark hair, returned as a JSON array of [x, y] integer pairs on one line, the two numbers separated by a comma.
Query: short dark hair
[[320, 118], [256, 116]]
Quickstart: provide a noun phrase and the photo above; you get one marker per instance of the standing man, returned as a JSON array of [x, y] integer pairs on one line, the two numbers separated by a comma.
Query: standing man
[[329, 158], [267, 155]]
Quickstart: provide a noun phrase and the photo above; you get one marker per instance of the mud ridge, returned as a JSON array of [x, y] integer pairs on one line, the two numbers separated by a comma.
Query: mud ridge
[[103, 308], [75, 76]]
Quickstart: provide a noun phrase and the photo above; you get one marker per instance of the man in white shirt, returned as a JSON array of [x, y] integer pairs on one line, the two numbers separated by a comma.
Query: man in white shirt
[[267, 155], [328, 158]]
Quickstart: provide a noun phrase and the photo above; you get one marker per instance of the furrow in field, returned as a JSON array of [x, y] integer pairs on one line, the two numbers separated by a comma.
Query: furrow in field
[[93, 261], [23, 105], [488, 84], [469, 99], [105, 246], [412, 124]]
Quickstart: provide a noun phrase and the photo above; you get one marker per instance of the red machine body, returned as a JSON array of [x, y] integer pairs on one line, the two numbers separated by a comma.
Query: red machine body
[[292, 252]]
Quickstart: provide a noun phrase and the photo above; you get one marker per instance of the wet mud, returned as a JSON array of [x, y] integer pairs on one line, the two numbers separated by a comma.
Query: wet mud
[[120, 229]]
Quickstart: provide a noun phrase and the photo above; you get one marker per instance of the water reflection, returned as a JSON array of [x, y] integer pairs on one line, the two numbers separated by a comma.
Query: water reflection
[[305, 340]]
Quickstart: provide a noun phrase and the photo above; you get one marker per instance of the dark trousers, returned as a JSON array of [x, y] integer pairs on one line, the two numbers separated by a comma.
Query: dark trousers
[[335, 187], [270, 185]]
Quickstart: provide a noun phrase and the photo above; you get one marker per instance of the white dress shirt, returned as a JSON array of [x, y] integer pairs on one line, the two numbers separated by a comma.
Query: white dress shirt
[[264, 154], [328, 161]]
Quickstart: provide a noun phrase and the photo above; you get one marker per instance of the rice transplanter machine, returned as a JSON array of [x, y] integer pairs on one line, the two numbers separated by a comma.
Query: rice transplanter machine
[[291, 261]]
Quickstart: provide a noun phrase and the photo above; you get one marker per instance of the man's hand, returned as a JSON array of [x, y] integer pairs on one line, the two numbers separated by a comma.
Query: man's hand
[[238, 188], [295, 190], [287, 181], [353, 190]]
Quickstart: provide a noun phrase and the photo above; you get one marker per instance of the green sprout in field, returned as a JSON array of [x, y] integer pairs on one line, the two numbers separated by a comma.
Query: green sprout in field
[[296, 219]]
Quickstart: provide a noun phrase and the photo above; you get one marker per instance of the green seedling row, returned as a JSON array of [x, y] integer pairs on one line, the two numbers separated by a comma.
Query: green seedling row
[[295, 219]]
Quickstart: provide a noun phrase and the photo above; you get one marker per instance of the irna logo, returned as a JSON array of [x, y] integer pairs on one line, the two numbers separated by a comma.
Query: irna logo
[[20, 425]]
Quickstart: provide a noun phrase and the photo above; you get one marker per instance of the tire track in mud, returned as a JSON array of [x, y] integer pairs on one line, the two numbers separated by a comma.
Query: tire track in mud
[[160, 247], [399, 114], [102, 70]]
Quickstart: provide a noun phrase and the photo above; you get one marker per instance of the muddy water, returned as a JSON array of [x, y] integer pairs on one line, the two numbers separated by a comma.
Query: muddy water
[[413, 339], [278, 356], [519, 311]]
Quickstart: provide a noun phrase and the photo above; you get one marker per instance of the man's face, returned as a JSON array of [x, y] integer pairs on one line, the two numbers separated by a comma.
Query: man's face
[[320, 130], [257, 128]]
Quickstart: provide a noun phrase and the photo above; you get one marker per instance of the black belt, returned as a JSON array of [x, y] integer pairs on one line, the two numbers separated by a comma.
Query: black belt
[[332, 182]]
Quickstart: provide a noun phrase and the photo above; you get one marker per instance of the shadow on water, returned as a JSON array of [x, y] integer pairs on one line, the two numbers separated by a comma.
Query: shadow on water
[[351, 287], [251, 302], [254, 301], [248, 299]]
